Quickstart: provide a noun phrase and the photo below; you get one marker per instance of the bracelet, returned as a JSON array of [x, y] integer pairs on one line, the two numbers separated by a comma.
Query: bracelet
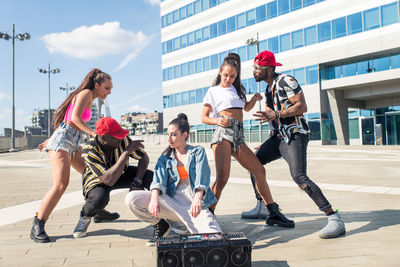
[[277, 115]]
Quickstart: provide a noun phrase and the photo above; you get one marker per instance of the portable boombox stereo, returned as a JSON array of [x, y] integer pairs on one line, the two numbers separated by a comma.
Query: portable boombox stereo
[[204, 250]]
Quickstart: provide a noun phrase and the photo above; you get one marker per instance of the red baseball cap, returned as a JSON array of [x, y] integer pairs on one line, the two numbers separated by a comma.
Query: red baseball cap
[[266, 58], [109, 126]]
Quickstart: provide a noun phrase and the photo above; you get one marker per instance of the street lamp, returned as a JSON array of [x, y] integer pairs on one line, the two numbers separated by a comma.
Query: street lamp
[[49, 71], [251, 42], [21, 37], [66, 89]]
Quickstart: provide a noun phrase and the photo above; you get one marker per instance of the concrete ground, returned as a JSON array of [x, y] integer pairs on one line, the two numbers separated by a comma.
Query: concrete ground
[[363, 182]]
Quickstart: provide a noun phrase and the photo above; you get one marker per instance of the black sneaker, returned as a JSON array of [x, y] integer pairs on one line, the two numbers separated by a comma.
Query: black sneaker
[[276, 217], [105, 216], [161, 229], [38, 234], [82, 226]]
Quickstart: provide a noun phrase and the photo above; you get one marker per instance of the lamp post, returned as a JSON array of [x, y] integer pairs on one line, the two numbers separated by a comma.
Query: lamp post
[[21, 37], [48, 72], [66, 89], [256, 42]]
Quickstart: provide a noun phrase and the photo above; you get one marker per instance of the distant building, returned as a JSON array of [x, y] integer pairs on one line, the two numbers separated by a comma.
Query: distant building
[[138, 123], [40, 119], [17, 133], [33, 130]]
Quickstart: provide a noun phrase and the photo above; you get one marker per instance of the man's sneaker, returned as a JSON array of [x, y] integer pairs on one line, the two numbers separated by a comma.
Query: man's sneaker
[[161, 229], [38, 234], [105, 216], [82, 226], [276, 217], [179, 228], [334, 228], [259, 212]]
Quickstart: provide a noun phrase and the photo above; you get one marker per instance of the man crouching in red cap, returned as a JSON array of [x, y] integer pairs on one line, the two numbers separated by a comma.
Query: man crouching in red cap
[[106, 159]]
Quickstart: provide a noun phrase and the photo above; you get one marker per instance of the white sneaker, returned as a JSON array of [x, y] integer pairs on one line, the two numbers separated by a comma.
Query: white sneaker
[[334, 228], [179, 228], [82, 226]]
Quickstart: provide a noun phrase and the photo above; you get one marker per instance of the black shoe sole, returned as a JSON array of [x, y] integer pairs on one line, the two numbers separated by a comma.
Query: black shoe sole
[[279, 223], [103, 220], [254, 217], [40, 240]]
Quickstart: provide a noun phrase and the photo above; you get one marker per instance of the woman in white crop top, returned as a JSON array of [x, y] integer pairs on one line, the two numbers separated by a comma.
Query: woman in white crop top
[[225, 101]]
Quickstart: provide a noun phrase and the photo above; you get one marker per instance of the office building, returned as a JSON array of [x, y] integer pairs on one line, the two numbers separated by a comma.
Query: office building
[[345, 54], [138, 123]]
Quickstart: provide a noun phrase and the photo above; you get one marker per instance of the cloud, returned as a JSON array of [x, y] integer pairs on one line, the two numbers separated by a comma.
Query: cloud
[[90, 42], [153, 2], [4, 96], [142, 95], [137, 108]]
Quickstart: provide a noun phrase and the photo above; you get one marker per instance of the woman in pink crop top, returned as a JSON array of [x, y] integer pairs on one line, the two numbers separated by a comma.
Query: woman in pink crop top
[[63, 146], [228, 139]]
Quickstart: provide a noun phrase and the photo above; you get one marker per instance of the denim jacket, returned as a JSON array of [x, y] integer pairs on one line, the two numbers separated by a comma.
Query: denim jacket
[[166, 176]]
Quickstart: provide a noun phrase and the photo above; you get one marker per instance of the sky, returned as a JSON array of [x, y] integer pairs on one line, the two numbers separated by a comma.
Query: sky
[[120, 37]]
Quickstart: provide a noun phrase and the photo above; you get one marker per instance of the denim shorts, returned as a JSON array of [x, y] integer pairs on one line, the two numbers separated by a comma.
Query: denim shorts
[[233, 134], [66, 138]]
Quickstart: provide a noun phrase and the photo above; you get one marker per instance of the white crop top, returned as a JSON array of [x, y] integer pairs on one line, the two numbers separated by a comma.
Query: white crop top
[[221, 98]]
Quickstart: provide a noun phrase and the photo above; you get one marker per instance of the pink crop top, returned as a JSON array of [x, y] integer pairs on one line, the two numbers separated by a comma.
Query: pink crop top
[[86, 116]]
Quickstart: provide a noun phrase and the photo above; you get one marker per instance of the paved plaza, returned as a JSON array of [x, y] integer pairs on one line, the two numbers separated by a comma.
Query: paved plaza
[[362, 182]]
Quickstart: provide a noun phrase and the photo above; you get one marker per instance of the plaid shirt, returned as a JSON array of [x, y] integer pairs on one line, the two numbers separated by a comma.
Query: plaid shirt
[[96, 162]]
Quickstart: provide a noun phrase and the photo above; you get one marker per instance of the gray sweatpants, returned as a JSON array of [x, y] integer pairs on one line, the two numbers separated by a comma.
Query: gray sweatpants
[[174, 208]]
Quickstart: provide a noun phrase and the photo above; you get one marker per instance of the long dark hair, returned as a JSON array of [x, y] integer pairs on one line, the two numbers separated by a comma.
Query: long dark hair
[[233, 60], [93, 77], [181, 122]]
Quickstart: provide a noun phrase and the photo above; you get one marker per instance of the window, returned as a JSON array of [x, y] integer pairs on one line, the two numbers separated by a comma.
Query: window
[[214, 61], [169, 46], [199, 95], [175, 16], [299, 75], [240, 21], [297, 39], [251, 52], [324, 31], [244, 83], [163, 21], [206, 63], [169, 19], [251, 17], [192, 96], [189, 10], [283, 7], [190, 67], [183, 41], [204, 5], [349, 69], [164, 48], [213, 30], [171, 101], [242, 53], [284, 42], [312, 74], [190, 38], [197, 36], [182, 13], [263, 45], [222, 55], [176, 43], [395, 61], [252, 86], [364, 67], [197, 7], [381, 64], [178, 99], [184, 69], [272, 10], [197, 66], [273, 44], [222, 27], [287, 72], [165, 101], [185, 98], [389, 14], [177, 71], [310, 35], [295, 4], [231, 24], [371, 19], [213, 3], [206, 33], [354, 23], [164, 75], [338, 28], [260, 13], [170, 73], [308, 2]]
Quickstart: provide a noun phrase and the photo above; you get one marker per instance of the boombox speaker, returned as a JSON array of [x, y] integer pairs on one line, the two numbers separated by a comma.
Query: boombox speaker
[[204, 250]]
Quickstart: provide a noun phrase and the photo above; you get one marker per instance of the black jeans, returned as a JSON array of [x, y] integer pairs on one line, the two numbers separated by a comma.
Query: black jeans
[[98, 198], [295, 154]]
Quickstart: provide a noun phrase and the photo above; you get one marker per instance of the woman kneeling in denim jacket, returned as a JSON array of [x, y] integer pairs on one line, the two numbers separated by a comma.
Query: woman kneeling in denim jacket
[[180, 191]]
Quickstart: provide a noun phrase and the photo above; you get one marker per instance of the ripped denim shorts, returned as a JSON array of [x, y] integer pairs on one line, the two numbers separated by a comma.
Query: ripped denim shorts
[[66, 138], [233, 134]]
